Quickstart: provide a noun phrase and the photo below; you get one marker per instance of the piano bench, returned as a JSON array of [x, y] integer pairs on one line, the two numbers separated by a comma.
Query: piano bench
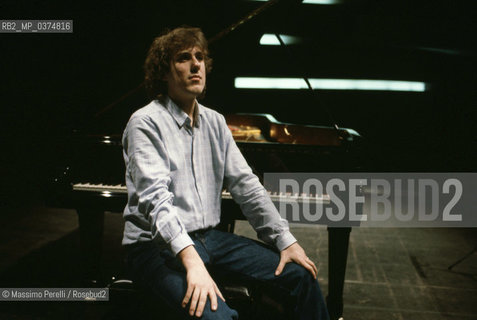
[[128, 301]]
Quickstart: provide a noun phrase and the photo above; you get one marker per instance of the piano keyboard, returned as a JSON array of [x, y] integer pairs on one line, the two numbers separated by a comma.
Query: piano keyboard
[[108, 190]]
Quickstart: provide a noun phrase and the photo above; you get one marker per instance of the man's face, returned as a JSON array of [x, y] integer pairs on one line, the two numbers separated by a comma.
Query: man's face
[[186, 79]]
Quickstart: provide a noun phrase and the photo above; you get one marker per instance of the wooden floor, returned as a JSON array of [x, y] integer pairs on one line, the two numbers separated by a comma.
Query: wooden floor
[[391, 274]]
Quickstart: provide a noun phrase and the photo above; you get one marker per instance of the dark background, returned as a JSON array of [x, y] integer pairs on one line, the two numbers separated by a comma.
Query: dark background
[[54, 83]]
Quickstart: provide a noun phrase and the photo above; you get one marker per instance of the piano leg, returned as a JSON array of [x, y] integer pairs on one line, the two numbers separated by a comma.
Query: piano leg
[[91, 225], [338, 239]]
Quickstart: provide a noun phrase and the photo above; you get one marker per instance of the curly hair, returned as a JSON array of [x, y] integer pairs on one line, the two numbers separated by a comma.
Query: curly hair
[[163, 49]]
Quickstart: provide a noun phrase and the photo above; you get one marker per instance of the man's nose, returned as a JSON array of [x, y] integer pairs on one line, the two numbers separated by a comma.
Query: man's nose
[[195, 64]]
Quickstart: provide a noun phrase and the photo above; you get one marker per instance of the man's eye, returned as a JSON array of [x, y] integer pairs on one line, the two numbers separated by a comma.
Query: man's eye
[[199, 57], [183, 57]]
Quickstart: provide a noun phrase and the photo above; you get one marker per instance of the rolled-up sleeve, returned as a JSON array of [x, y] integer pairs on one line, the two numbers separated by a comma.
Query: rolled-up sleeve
[[248, 192], [148, 166]]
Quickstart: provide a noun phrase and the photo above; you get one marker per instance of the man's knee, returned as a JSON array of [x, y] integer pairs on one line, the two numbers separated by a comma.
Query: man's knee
[[298, 272], [223, 312], [309, 301], [298, 278]]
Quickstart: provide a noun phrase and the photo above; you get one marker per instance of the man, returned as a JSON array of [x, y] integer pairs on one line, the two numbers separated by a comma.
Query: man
[[179, 155]]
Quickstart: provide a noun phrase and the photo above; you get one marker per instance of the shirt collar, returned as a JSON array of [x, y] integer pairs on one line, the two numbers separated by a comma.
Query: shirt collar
[[180, 116]]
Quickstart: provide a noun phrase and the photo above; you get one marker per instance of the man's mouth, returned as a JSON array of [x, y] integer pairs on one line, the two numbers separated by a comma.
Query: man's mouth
[[195, 78]]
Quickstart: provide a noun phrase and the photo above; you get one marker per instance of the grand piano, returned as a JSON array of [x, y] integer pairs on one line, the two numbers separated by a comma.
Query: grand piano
[[91, 178]]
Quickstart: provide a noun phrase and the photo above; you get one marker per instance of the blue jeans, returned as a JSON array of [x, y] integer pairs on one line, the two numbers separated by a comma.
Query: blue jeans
[[162, 273]]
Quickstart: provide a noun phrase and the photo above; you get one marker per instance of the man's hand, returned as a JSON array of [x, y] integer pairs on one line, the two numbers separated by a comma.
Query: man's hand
[[295, 253], [200, 284]]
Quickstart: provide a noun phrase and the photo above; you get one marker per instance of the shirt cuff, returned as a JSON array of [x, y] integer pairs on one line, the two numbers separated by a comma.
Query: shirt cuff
[[285, 240], [180, 242]]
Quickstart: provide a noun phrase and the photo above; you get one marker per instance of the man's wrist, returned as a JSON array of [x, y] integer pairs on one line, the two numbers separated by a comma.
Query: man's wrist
[[190, 258], [285, 240], [180, 242]]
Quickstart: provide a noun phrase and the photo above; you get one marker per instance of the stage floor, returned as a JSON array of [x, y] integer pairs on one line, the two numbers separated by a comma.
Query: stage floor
[[391, 273]]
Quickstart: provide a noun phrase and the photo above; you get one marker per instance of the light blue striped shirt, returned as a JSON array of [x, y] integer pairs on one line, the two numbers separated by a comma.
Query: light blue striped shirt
[[175, 174]]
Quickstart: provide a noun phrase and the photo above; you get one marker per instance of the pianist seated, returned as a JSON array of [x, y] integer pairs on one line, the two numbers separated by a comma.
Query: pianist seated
[[179, 155]]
